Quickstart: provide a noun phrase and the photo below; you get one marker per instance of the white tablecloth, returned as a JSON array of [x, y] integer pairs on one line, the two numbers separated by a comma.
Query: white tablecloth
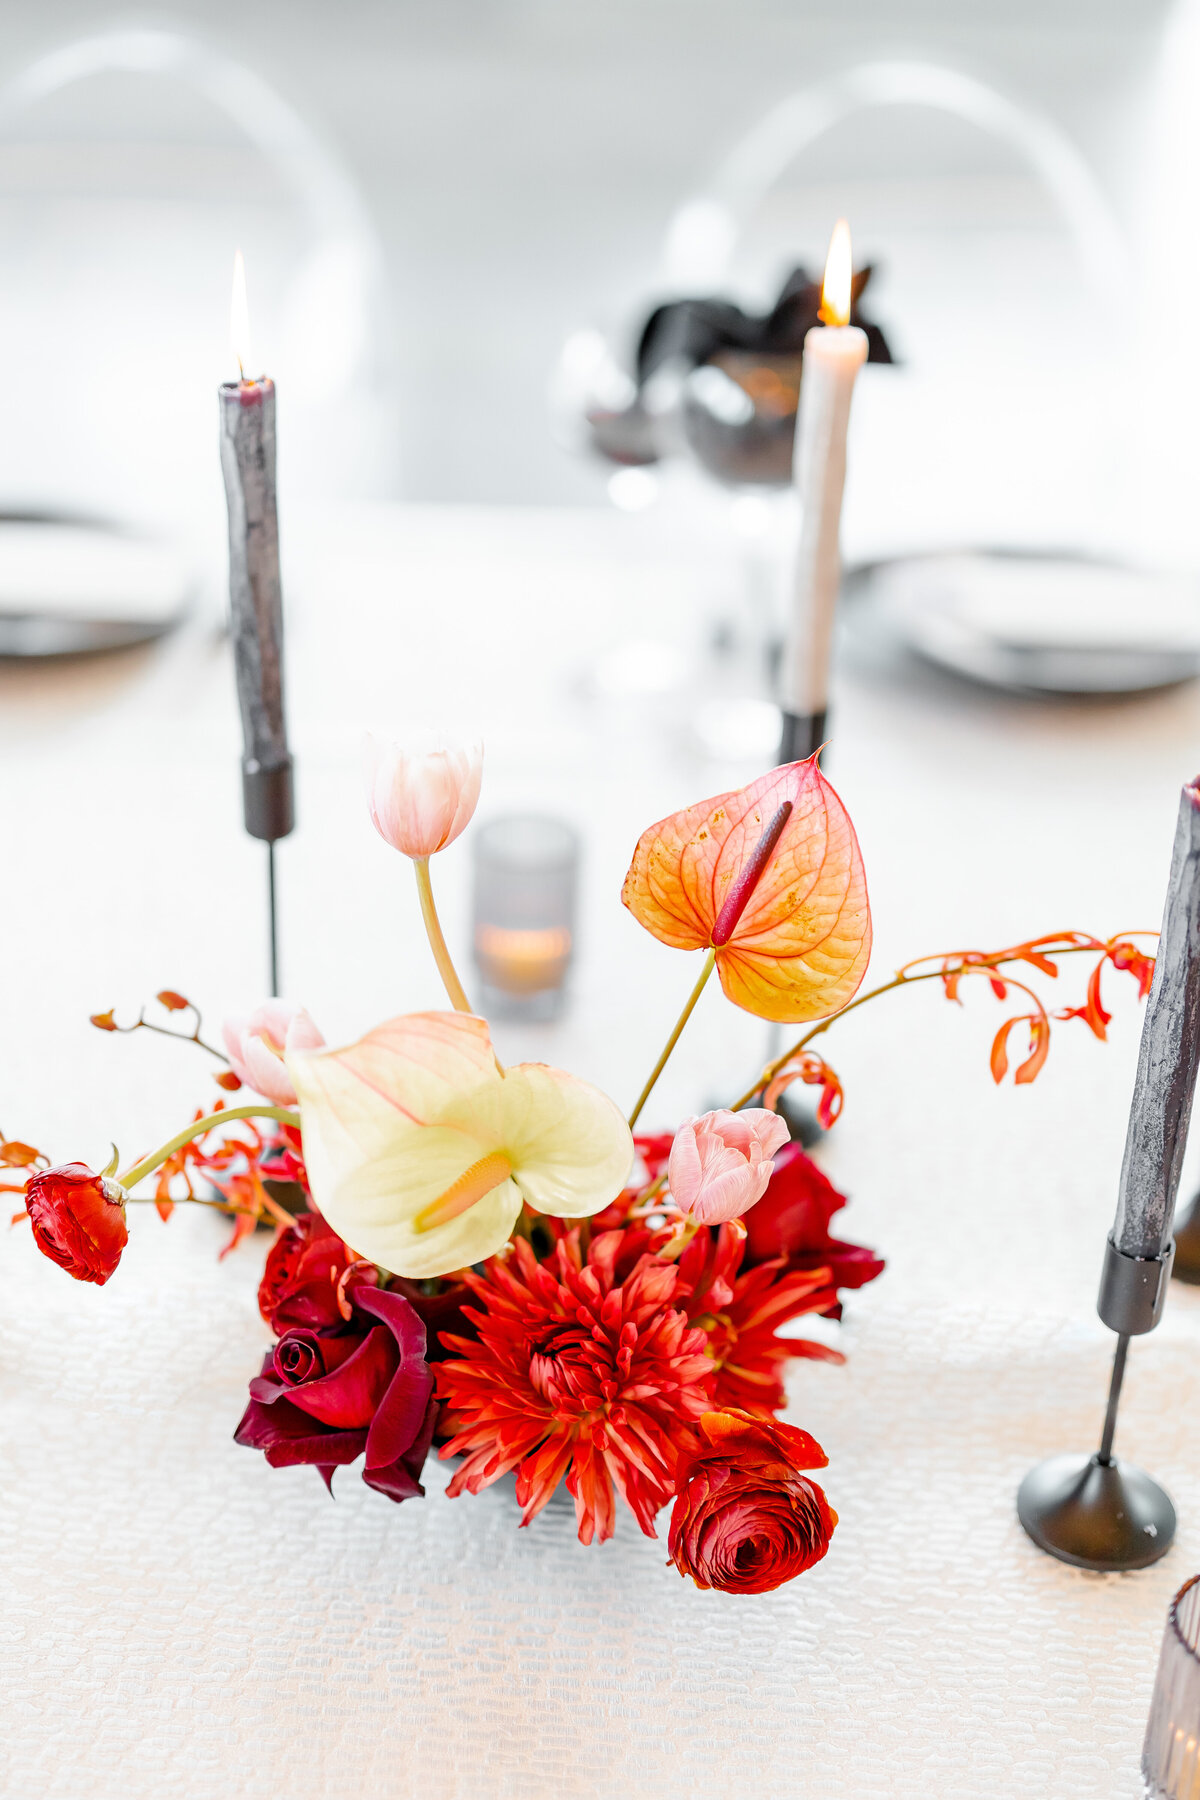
[[180, 1619]]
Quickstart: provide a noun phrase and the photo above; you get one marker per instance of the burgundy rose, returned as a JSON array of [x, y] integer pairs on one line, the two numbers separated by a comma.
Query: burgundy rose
[[78, 1220], [438, 1312], [328, 1394], [792, 1220], [745, 1519]]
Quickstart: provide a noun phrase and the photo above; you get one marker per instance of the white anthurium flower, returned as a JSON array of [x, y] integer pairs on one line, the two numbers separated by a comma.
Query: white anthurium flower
[[420, 1152]]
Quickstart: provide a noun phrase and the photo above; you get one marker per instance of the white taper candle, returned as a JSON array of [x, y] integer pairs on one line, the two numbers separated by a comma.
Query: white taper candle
[[833, 355]]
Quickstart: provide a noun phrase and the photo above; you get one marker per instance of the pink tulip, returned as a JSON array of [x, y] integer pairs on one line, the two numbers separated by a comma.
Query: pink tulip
[[256, 1046], [720, 1164], [420, 801]]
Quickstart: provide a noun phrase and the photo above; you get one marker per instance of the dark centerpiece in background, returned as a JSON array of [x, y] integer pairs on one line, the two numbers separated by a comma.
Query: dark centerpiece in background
[[724, 383]]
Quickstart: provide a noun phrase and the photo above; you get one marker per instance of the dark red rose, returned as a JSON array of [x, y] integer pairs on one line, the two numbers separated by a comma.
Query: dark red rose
[[78, 1220], [438, 1312], [792, 1220], [745, 1519], [328, 1394], [300, 1281]]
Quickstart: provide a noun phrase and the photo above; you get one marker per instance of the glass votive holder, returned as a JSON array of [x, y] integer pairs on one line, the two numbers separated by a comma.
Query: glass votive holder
[[1171, 1752], [526, 869]]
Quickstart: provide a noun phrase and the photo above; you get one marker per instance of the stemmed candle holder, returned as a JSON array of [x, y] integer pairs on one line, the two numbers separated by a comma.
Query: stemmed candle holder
[[1094, 1511]]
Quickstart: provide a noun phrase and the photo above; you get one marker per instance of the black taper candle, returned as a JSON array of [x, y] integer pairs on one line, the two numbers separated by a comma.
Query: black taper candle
[[256, 613], [1097, 1512], [1169, 1057]]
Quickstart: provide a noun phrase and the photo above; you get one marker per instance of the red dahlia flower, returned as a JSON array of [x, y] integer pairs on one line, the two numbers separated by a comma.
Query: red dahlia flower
[[78, 1220], [745, 1519], [575, 1374]]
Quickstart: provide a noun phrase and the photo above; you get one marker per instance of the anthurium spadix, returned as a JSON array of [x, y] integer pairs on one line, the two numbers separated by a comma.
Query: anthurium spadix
[[420, 1152], [771, 880]]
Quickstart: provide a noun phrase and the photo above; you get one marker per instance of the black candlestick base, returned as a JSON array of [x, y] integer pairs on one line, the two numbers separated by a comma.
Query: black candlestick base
[[802, 735], [268, 801], [1106, 1516], [1187, 1246]]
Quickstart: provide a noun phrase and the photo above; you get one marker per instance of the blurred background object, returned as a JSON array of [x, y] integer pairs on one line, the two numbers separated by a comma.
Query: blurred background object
[[132, 163], [512, 169]]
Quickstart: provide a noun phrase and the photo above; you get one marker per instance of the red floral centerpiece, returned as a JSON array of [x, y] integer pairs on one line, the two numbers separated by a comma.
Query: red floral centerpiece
[[488, 1260]]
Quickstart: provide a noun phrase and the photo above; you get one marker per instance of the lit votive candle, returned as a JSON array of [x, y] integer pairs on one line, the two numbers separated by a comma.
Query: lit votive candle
[[525, 881]]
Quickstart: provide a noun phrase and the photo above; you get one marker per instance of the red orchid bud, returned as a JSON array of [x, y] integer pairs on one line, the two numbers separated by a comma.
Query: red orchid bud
[[172, 1001], [228, 1080], [16, 1155], [78, 1220], [104, 1021]]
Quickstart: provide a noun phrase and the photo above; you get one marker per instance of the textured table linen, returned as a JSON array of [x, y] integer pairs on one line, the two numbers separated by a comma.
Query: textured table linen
[[180, 1619]]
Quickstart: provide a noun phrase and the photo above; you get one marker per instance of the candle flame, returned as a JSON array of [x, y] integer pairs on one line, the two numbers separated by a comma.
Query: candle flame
[[239, 317], [839, 268]]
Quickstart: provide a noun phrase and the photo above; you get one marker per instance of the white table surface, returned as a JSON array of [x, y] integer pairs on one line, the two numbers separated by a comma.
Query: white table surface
[[181, 1619]]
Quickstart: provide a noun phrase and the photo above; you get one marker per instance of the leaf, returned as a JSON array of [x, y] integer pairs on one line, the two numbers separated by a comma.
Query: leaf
[[802, 941], [172, 1001]]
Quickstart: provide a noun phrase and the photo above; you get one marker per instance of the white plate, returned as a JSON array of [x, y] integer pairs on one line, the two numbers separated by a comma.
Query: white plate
[[70, 587], [1053, 624]]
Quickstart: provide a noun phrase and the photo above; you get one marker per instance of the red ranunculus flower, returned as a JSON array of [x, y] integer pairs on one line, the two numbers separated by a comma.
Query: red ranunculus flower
[[745, 1519], [792, 1220], [308, 1262], [78, 1220], [329, 1393], [300, 1281]]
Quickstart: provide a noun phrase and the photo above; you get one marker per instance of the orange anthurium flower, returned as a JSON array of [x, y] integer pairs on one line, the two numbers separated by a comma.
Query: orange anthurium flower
[[772, 879]]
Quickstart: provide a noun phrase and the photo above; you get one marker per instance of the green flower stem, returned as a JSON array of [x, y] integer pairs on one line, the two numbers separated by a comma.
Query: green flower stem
[[196, 1129], [437, 942], [710, 963]]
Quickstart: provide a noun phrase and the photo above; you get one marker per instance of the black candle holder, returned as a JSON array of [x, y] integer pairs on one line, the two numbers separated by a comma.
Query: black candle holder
[[1096, 1512], [802, 736]]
